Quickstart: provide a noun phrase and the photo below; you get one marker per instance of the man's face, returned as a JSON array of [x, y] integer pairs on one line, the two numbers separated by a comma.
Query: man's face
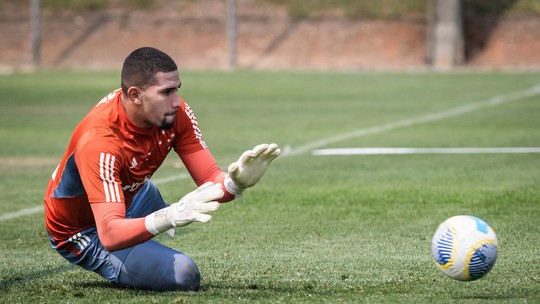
[[160, 101]]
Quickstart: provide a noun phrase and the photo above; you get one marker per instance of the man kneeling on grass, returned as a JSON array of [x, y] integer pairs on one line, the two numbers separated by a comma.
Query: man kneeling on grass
[[102, 210]]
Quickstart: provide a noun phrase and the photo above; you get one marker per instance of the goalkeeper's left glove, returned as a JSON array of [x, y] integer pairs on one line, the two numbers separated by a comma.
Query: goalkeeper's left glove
[[250, 167], [193, 207]]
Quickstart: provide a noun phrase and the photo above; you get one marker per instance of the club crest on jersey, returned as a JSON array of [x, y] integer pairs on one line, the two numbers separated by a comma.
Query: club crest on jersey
[[133, 163]]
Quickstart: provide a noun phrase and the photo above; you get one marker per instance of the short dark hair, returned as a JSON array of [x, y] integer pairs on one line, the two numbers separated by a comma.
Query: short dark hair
[[141, 66]]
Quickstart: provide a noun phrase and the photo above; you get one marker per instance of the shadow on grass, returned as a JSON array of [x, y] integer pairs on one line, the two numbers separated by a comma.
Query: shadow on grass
[[18, 279], [492, 297], [259, 288]]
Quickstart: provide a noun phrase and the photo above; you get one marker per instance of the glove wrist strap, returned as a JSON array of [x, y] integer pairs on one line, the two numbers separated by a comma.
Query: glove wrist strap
[[231, 186], [157, 222]]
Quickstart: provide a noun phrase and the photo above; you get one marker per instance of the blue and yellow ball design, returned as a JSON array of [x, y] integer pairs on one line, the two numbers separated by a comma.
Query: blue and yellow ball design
[[464, 248]]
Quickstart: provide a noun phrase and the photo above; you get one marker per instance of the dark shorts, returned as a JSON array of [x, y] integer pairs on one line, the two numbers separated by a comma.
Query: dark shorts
[[149, 265]]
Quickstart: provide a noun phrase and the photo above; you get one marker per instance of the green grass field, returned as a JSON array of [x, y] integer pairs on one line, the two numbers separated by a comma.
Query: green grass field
[[316, 229]]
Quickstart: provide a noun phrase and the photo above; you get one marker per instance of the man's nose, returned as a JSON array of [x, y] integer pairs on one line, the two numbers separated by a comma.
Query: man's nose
[[176, 103]]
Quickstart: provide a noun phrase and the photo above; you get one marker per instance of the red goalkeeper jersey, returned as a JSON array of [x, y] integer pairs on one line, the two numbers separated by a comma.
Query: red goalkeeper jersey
[[109, 159]]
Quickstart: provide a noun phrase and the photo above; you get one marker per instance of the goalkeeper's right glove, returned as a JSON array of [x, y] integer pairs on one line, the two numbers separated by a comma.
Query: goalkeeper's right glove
[[191, 208]]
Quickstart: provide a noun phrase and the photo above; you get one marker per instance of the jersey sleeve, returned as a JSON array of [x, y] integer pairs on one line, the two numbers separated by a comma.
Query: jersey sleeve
[[99, 161], [115, 231], [190, 136]]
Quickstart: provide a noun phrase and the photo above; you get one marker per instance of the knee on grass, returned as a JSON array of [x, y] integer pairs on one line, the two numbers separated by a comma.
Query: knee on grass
[[186, 274]]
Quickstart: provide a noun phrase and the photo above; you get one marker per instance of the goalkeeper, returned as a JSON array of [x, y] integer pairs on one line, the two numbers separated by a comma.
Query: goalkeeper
[[102, 210]]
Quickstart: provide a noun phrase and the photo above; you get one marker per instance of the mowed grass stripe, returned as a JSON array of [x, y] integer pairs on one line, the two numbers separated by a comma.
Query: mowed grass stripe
[[288, 151]]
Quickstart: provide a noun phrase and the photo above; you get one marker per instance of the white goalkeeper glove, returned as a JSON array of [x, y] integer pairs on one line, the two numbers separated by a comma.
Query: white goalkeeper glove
[[250, 167], [191, 208]]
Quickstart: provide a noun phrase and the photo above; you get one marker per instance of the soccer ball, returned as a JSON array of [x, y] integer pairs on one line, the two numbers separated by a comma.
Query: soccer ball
[[464, 248]]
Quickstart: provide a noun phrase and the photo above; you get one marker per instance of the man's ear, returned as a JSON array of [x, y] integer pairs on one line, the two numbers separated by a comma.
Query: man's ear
[[134, 93]]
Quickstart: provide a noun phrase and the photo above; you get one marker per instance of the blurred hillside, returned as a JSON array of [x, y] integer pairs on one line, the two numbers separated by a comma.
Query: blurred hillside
[[271, 35]]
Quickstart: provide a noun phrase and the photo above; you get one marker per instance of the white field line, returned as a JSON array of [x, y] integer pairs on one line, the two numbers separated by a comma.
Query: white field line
[[168, 179], [494, 101], [21, 213], [392, 151], [464, 109]]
